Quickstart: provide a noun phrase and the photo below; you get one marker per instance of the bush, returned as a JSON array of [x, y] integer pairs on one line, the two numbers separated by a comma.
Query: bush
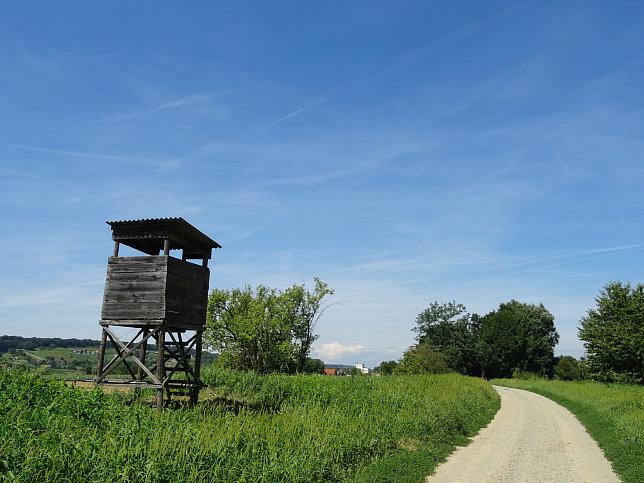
[[568, 368], [422, 360], [526, 375]]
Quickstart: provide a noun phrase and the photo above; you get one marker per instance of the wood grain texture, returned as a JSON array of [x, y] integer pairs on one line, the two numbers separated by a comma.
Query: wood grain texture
[[153, 288]]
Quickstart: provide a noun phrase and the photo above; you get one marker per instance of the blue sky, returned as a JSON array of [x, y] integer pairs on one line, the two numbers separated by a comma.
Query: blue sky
[[404, 152]]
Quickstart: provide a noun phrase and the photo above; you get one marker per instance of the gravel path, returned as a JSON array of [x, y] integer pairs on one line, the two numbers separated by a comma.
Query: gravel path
[[531, 439]]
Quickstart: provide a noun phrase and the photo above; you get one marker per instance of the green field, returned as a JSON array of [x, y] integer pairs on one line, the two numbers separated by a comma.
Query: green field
[[58, 362], [66, 363], [246, 428], [613, 414]]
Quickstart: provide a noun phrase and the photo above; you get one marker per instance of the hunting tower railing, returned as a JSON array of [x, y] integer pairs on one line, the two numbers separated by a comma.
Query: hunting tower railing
[[162, 300]]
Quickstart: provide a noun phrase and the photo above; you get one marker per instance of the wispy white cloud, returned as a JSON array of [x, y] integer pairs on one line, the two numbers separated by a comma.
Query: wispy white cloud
[[164, 106], [572, 257], [346, 170], [138, 160], [459, 35], [473, 259], [406, 59], [308, 106]]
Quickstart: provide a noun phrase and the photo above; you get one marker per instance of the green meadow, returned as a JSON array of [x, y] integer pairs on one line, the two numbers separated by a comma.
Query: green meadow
[[245, 428]]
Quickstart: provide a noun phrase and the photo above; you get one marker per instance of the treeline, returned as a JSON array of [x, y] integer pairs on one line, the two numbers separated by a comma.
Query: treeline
[[13, 342], [518, 340], [515, 337]]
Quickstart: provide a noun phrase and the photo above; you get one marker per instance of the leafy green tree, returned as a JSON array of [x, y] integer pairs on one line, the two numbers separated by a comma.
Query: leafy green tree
[[386, 368], [421, 359], [567, 368], [450, 331], [613, 334], [517, 336], [304, 309], [264, 330], [313, 366], [243, 325]]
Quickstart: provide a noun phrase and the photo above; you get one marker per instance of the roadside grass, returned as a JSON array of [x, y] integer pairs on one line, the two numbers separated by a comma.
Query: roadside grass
[[246, 428], [613, 414], [420, 418]]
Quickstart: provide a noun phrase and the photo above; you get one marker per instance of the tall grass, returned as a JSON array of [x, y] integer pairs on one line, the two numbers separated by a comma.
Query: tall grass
[[246, 428], [613, 414]]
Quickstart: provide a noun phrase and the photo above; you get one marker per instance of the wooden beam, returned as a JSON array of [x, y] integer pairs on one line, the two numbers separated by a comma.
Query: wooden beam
[[180, 354], [160, 366], [144, 348], [194, 393], [126, 351], [101, 358]]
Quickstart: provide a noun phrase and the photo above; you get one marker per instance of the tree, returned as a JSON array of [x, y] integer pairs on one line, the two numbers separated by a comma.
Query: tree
[[517, 336], [264, 330], [304, 310], [567, 368], [421, 359], [313, 366], [386, 368], [613, 334], [450, 331]]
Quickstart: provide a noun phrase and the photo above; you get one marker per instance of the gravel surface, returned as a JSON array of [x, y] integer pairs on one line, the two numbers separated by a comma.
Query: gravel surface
[[531, 439]]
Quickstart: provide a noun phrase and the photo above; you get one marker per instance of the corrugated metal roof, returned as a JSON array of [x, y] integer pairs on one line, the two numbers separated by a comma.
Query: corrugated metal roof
[[148, 235], [144, 220]]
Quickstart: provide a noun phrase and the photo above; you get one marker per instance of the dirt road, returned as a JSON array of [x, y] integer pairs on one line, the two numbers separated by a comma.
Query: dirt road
[[531, 439]]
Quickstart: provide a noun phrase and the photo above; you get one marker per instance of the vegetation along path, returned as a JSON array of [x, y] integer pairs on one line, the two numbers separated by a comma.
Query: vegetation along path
[[531, 438]]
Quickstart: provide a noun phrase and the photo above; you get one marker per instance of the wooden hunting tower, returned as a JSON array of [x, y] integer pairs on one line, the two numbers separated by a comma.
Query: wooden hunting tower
[[162, 300]]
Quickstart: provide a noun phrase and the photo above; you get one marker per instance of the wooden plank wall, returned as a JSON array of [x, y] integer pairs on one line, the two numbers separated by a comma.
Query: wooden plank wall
[[186, 293], [153, 288], [134, 288]]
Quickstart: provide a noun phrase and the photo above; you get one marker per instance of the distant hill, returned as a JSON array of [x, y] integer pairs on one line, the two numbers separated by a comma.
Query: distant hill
[[13, 342]]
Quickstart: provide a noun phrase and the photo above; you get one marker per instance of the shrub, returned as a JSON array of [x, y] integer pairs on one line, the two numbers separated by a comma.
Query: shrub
[[568, 368]]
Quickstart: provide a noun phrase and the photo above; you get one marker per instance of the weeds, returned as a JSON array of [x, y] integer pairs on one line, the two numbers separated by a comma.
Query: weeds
[[280, 428]]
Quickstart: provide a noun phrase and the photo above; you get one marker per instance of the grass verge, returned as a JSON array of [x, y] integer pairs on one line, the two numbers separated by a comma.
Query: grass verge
[[250, 428], [613, 414]]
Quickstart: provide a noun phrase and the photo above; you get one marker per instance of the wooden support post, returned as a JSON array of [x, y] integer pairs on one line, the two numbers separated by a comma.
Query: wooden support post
[[160, 367], [116, 249], [140, 374], [166, 247], [101, 357], [194, 394]]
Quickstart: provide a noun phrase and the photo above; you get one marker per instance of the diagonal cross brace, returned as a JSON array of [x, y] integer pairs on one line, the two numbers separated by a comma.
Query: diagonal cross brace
[[127, 351], [183, 360]]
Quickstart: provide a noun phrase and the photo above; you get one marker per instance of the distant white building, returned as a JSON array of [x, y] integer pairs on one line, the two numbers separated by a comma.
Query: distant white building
[[361, 367]]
